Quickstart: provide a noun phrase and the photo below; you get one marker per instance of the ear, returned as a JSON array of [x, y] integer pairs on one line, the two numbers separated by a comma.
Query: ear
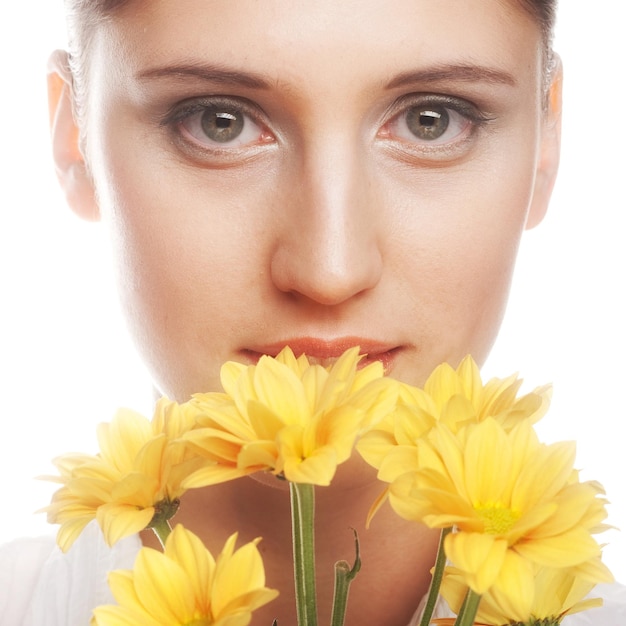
[[69, 161], [550, 148]]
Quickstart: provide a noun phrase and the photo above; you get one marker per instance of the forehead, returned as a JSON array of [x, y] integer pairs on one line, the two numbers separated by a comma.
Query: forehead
[[285, 37]]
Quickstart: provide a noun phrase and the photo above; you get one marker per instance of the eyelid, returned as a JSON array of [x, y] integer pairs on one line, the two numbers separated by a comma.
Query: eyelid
[[182, 110], [460, 105]]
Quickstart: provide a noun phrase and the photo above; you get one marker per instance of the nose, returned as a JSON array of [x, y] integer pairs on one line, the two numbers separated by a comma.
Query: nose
[[328, 248]]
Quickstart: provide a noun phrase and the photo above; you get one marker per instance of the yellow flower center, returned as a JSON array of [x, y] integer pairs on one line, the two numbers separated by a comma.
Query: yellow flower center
[[498, 519]]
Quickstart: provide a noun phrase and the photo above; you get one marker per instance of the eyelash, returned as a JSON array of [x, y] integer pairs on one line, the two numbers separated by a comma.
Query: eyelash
[[248, 118]]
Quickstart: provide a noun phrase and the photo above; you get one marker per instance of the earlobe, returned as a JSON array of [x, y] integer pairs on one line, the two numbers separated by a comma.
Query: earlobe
[[69, 161], [550, 148]]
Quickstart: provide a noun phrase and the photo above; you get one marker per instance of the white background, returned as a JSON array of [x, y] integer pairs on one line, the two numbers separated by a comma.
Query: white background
[[64, 356]]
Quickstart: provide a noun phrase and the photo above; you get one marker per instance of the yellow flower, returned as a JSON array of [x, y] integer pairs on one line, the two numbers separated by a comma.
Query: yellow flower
[[514, 503], [455, 398], [137, 474], [460, 397], [296, 419], [186, 586], [555, 593]]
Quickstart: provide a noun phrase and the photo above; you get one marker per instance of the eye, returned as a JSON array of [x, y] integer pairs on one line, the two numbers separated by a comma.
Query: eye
[[429, 124], [433, 121], [217, 124]]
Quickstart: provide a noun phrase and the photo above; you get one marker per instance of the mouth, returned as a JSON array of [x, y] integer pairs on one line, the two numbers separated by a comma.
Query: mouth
[[325, 352]]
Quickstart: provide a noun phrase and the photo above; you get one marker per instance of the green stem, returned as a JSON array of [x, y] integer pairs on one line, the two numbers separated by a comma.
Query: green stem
[[435, 583], [344, 575], [162, 530], [163, 512], [302, 525], [468, 610]]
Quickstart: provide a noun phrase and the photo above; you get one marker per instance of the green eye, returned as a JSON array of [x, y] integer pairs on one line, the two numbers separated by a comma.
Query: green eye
[[427, 123], [221, 125]]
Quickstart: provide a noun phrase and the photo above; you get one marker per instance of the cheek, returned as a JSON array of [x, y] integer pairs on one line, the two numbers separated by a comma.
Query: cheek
[[188, 275], [474, 290], [456, 255]]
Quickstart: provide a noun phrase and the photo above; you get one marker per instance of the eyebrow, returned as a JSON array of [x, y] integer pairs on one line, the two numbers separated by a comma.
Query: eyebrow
[[206, 72], [221, 75], [461, 72]]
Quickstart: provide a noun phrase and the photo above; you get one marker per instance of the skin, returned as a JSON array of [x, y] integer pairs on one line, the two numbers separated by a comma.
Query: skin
[[326, 223]]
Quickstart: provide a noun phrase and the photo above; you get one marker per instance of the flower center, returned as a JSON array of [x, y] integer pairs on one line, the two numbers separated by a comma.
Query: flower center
[[498, 519]]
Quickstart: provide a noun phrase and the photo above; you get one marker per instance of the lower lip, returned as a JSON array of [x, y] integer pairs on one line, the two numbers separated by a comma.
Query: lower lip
[[386, 358], [327, 358]]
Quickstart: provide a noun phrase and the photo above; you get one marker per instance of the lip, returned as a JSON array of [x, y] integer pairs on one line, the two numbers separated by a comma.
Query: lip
[[327, 351]]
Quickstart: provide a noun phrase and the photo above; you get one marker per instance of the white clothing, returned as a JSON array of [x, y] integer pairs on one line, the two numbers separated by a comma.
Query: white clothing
[[41, 586]]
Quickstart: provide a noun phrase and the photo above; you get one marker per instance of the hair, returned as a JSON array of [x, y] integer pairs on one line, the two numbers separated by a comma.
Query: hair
[[83, 17]]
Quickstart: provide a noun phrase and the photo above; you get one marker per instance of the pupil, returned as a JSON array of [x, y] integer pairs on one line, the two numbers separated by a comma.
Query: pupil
[[223, 121], [429, 118]]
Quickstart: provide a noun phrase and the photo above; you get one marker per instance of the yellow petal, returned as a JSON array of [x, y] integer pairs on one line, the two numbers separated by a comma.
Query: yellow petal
[[163, 587], [189, 552], [543, 478], [136, 489], [120, 439], [487, 462], [122, 587], [121, 520], [382, 498], [566, 550], [213, 475], [230, 374], [317, 469], [375, 445], [480, 557], [280, 390], [258, 456], [399, 460], [514, 589], [119, 616], [70, 531], [239, 580]]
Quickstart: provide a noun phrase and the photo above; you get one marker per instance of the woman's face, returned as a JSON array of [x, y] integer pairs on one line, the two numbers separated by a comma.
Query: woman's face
[[318, 174]]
